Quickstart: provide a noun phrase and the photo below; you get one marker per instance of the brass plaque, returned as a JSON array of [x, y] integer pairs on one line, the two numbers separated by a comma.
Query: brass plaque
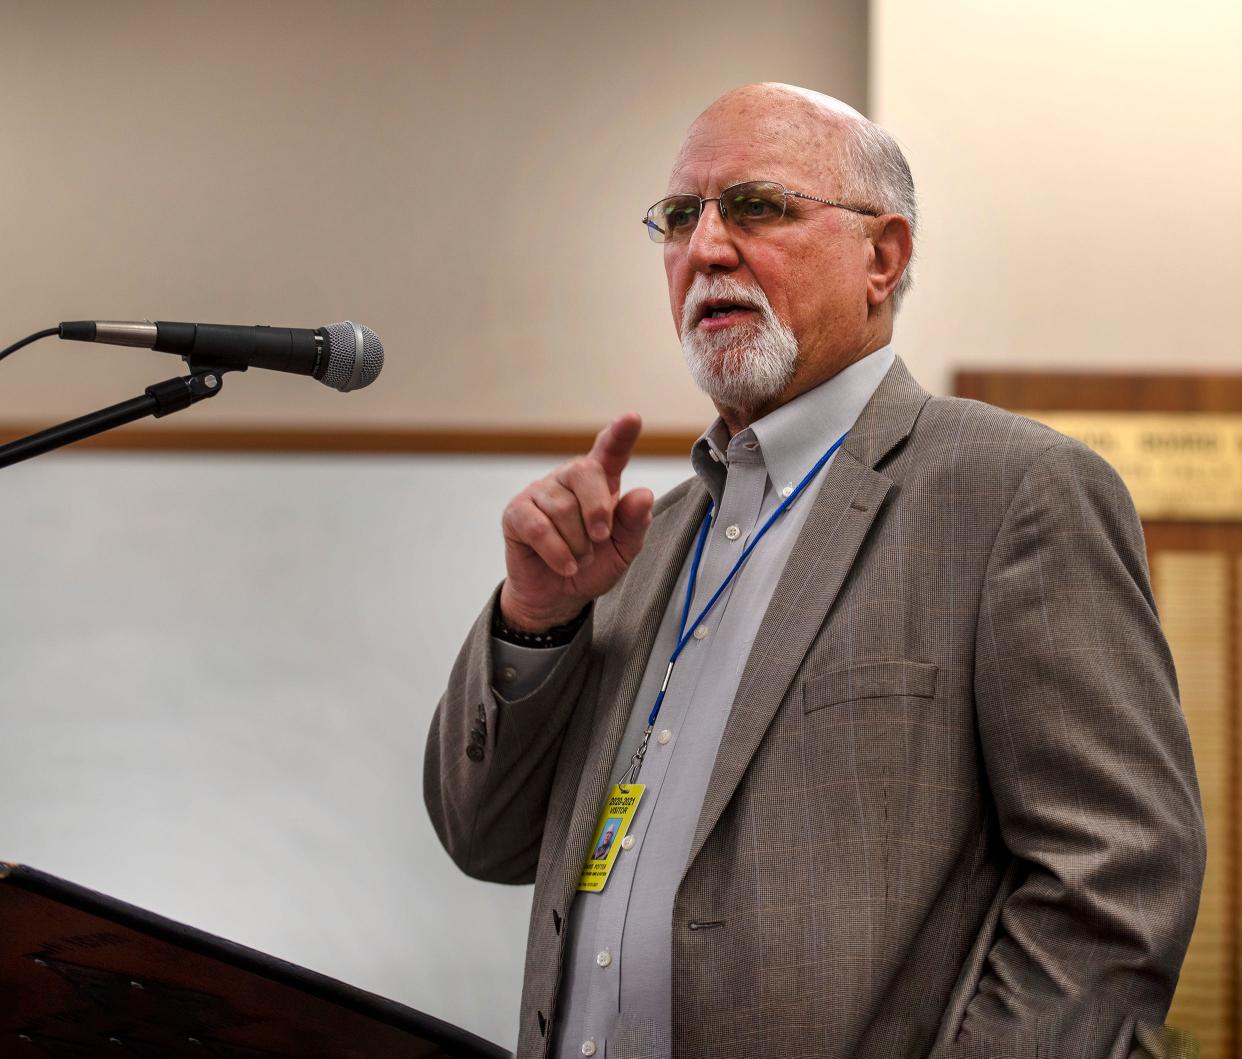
[[1179, 467]]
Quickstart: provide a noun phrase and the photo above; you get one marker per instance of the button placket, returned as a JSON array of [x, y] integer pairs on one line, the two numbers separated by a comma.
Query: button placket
[[738, 514], [603, 996]]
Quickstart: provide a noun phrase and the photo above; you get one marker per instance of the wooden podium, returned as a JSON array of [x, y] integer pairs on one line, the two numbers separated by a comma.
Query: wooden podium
[[1177, 442], [84, 975]]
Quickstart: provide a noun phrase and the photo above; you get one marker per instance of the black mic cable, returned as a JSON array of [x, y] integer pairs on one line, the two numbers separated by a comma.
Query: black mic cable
[[46, 333]]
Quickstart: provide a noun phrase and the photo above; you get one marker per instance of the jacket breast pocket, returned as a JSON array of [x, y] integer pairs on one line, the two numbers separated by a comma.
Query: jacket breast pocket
[[865, 681], [860, 743]]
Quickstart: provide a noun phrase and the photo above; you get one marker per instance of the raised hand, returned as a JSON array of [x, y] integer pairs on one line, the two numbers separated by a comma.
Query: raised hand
[[570, 536]]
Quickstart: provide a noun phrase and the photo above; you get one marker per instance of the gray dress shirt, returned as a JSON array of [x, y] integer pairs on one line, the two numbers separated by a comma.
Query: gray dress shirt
[[619, 949]]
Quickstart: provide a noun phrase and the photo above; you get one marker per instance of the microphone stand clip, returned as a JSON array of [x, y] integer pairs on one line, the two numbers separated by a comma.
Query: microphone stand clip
[[160, 399]]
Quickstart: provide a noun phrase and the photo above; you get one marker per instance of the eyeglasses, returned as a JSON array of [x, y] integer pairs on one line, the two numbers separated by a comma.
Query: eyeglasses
[[752, 205]]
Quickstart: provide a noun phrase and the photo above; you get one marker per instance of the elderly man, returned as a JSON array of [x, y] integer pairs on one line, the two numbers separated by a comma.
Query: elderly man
[[878, 698]]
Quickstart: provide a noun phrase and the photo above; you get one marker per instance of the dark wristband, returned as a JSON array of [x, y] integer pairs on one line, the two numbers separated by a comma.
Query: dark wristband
[[557, 636]]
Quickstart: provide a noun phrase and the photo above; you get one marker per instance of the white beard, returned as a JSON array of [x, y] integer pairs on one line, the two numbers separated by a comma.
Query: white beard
[[744, 367]]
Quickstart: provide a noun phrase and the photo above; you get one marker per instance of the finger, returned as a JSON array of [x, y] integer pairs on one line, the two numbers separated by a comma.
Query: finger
[[526, 525], [561, 507], [615, 444], [630, 522], [586, 480]]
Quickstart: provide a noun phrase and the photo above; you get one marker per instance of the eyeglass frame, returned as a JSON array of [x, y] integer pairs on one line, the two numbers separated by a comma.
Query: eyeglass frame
[[650, 225]]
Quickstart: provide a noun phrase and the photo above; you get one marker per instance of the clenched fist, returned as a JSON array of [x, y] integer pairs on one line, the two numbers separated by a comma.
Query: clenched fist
[[570, 536]]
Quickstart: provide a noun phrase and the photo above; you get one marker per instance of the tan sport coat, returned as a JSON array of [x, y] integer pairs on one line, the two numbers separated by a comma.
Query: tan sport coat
[[954, 812]]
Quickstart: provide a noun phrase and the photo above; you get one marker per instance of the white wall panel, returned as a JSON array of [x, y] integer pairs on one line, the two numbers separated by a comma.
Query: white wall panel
[[218, 675]]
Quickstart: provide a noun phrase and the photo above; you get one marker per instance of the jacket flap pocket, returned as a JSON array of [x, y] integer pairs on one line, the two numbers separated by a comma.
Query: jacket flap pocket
[[870, 680]]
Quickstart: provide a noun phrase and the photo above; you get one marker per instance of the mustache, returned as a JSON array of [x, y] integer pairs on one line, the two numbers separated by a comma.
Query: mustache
[[719, 288]]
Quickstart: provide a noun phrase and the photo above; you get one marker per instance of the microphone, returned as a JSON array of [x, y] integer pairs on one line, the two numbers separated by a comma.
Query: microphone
[[346, 356]]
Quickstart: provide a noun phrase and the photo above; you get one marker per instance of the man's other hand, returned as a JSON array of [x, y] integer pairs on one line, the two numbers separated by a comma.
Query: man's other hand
[[570, 536]]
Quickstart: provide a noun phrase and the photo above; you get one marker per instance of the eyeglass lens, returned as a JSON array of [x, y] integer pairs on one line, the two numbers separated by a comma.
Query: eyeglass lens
[[750, 205]]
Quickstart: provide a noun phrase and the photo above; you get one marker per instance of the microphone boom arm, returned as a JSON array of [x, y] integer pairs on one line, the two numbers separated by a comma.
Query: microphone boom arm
[[158, 400]]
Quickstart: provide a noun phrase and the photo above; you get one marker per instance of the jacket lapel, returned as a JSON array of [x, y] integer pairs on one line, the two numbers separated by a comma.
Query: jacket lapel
[[844, 510]]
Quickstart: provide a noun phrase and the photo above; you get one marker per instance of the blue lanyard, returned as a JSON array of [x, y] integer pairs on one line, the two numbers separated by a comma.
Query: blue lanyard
[[686, 631]]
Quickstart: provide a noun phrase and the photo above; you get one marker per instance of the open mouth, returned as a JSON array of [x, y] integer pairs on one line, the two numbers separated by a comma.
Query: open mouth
[[723, 313]]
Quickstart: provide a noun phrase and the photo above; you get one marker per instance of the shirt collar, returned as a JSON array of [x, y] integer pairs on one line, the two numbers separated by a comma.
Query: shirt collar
[[789, 439]]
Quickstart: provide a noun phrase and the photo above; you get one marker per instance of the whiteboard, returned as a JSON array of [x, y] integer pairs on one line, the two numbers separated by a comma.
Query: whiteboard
[[218, 676]]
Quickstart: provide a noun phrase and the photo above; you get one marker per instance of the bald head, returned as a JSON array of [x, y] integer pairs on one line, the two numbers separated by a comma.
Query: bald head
[[772, 97], [796, 121]]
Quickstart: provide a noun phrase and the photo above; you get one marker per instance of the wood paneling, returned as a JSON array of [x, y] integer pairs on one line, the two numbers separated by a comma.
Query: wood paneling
[[1101, 391], [1194, 594], [322, 441]]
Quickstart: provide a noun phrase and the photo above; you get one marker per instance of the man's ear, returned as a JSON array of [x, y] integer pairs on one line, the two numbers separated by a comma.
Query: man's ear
[[891, 246]]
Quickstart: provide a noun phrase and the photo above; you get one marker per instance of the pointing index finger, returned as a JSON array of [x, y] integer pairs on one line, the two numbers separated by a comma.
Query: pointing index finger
[[615, 444]]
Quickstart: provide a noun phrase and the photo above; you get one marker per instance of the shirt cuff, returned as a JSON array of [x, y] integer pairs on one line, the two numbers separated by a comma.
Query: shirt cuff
[[517, 671]]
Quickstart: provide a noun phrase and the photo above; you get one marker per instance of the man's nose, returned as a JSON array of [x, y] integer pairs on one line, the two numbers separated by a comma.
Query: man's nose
[[712, 248]]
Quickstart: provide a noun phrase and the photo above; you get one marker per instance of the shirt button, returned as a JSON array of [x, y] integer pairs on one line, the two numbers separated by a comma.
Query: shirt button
[[508, 675], [700, 633], [664, 737], [627, 842], [588, 1047], [604, 958], [787, 491], [732, 532]]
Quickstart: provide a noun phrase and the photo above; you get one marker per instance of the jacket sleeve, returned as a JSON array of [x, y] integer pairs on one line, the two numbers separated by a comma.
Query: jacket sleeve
[[489, 764], [1090, 769]]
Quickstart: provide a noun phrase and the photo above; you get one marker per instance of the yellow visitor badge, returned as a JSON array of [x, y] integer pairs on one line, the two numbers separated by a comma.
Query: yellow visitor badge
[[614, 821]]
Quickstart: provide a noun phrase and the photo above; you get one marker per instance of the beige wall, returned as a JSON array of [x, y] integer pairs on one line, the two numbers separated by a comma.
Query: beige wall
[[1080, 167], [465, 178]]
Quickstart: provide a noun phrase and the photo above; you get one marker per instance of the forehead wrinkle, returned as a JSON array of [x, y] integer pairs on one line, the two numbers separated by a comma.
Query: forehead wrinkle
[[708, 153]]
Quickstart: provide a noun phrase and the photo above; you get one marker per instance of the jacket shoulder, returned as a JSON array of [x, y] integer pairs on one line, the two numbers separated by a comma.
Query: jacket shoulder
[[971, 453], [962, 417], [954, 428]]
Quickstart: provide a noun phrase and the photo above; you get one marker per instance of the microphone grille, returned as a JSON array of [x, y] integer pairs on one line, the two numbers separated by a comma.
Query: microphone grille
[[355, 356]]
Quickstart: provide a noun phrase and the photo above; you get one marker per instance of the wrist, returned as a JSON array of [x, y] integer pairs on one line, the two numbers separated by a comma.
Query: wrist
[[526, 619], [540, 635]]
